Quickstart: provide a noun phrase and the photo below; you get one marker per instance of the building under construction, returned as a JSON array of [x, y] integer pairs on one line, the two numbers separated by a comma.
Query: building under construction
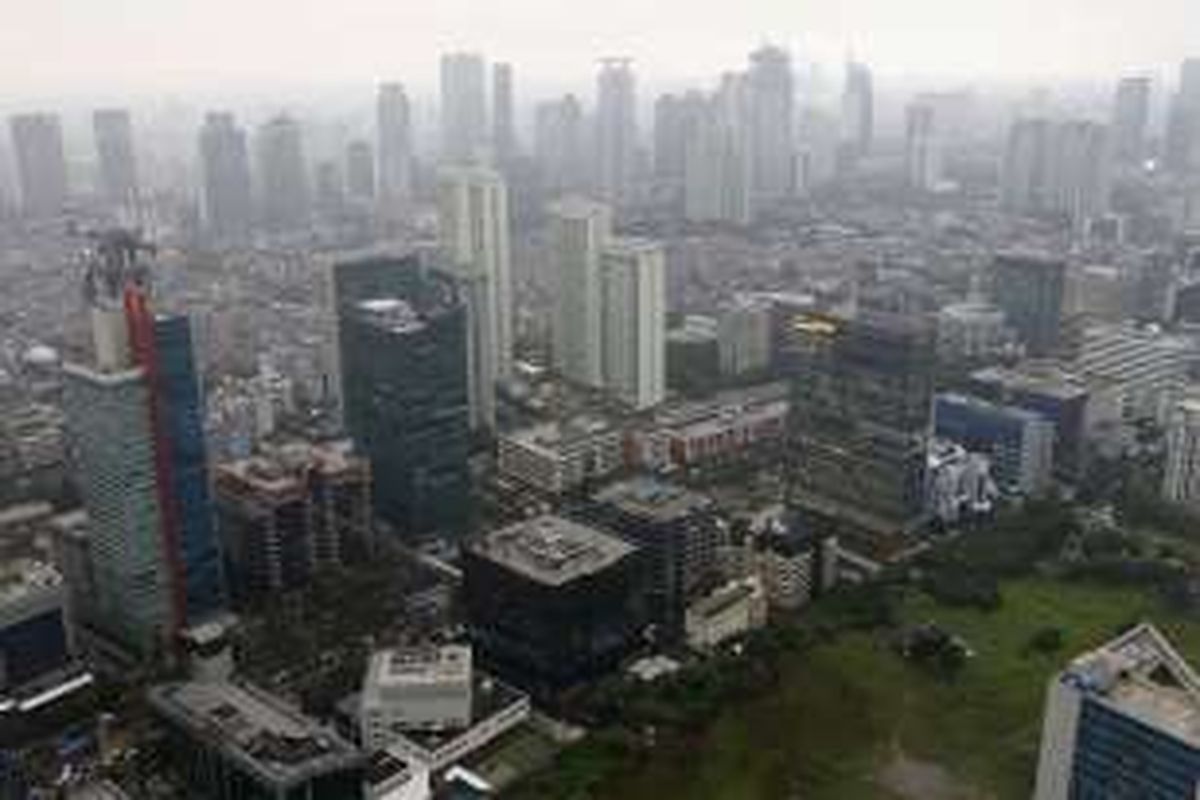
[[860, 423], [290, 512]]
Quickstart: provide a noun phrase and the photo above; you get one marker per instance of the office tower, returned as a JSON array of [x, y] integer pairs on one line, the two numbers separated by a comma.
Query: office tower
[[473, 232], [770, 106], [559, 145], [616, 131], [1080, 171], [1026, 171], [135, 421], [283, 193], [464, 108], [1030, 290], [393, 130], [1144, 371], [858, 113], [234, 740], [1118, 723], [550, 602], [716, 181], [633, 321], [360, 171], [744, 336], [41, 164], [860, 422], [922, 147], [33, 623], [678, 537], [290, 512], [1131, 115], [113, 134], [225, 163], [415, 689], [1182, 150], [579, 231], [504, 132], [1018, 443], [1181, 479], [676, 117], [402, 337], [330, 194]]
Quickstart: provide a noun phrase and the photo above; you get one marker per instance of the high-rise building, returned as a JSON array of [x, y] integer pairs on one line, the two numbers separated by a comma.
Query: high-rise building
[[675, 119], [1182, 149], [402, 335], [860, 422], [1181, 480], [923, 146], [1025, 174], [360, 171], [473, 227], [633, 321], [858, 112], [393, 130], [1018, 443], [464, 108], [770, 108], [113, 134], [1131, 115], [616, 132], [550, 602], [1080, 171], [41, 164], [283, 187], [291, 512], [716, 181], [504, 132], [135, 420], [1118, 723], [559, 145], [225, 162], [580, 230], [1030, 289], [33, 623]]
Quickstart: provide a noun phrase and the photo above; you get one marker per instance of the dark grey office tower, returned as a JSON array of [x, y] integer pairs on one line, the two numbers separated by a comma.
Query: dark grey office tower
[[360, 171], [228, 208], [394, 145], [860, 423], [559, 145], [403, 350], [283, 193], [41, 165], [1131, 114], [858, 112], [113, 134], [464, 107], [1182, 151], [1030, 290], [504, 132]]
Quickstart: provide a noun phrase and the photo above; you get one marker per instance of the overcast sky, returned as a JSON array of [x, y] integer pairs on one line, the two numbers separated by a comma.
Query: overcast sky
[[126, 46]]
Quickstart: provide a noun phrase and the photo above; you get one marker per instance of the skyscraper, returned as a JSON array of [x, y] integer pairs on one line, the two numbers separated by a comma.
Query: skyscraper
[[228, 207], [393, 130], [474, 237], [633, 321], [283, 185], [616, 131], [113, 133], [136, 422], [1131, 114], [716, 180], [41, 165], [860, 422], [1025, 174], [858, 112], [504, 132], [923, 147], [1080, 171], [579, 231], [1182, 151], [464, 108], [360, 170], [559, 145], [770, 105], [1030, 290], [402, 335]]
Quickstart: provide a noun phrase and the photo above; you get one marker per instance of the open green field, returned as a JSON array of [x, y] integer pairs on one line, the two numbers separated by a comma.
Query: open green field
[[853, 720]]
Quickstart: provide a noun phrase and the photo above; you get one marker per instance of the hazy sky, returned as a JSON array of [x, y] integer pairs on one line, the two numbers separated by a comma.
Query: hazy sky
[[117, 46]]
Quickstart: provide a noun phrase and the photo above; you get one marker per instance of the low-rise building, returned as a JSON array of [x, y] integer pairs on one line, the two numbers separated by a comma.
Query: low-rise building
[[732, 610], [556, 458], [33, 625], [413, 690]]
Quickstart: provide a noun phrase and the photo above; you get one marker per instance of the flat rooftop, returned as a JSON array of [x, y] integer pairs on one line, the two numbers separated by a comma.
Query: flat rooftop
[[1140, 674], [653, 499], [255, 728], [1041, 377], [24, 577], [393, 314], [552, 550], [414, 666]]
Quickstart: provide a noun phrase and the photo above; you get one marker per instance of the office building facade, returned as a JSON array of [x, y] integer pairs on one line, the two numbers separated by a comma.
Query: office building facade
[[464, 108], [393, 130], [1018, 443], [112, 130], [284, 196], [1030, 289], [633, 321], [225, 166], [616, 132], [580, 229], [41, 164]]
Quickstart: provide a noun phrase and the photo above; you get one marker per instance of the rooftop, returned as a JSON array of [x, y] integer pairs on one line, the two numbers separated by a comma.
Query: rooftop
[[419, 665], [652, 498], [391, 313], [257, 729], [1044, 377], [23, 577], [1141, 675], [284, 469], [552, 550]]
